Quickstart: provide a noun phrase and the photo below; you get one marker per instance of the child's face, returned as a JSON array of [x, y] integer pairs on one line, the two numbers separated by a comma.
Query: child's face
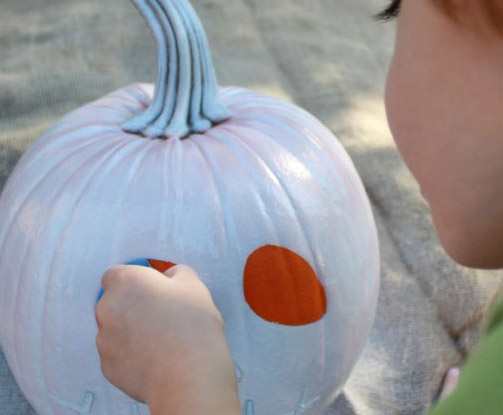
[[444, 99]]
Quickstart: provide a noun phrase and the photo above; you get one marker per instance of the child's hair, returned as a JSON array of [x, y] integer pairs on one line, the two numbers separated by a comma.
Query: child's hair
[[471, 12]]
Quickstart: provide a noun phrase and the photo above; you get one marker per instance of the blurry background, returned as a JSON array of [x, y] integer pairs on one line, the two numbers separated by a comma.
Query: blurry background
[[328, 56]]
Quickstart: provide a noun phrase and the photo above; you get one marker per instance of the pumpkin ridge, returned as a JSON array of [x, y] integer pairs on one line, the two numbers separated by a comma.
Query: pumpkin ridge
[[107, 157], [23, 275], [61, 237], [317, 151], [139, 158], [32, 157], [216, 189], [286, 192]]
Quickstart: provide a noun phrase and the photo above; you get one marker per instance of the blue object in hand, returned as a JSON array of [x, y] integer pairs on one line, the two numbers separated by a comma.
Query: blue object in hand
[[160, 266]]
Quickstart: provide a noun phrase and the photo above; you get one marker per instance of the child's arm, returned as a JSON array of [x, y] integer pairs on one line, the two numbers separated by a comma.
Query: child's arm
[[161, 340]]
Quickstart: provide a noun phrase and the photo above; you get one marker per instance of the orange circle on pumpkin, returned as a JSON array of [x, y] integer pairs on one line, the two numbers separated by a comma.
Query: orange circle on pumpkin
[[281, 287]]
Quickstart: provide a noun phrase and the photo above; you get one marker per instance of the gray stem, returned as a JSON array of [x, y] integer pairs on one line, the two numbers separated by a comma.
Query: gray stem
[[185, 97]]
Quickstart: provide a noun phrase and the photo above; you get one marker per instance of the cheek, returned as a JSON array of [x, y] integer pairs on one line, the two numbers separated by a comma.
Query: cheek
[[403, 109], [411, 122], [418, 122], [458, 168]]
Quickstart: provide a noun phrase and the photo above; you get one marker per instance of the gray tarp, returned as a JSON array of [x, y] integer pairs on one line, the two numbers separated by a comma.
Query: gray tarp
[[328, 56]]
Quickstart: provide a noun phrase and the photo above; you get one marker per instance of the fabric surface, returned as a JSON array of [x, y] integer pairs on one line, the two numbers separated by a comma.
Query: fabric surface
[[327, 56], [476, 392]]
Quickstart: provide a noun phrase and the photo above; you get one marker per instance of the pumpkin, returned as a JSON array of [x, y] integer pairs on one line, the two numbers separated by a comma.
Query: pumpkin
[[254, 193]]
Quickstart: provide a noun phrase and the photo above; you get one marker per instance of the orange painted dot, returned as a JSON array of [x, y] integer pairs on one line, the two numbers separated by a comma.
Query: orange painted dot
[[281, 287], [160, 266]]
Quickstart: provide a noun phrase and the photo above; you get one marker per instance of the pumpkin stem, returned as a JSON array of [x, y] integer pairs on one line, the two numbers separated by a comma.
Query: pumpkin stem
[[185, 97]]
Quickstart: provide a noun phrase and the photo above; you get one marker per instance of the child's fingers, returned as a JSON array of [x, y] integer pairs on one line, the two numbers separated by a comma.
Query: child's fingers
[[117, 274], [111, 275], [450, 383], [182, 272]]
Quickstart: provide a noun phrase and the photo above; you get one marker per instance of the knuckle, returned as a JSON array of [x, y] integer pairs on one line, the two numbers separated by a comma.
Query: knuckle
[[99, 312], [99, 343], [105, 312], [112, 275], [106, 371], [182, 271], [189, 270], [97, 317]]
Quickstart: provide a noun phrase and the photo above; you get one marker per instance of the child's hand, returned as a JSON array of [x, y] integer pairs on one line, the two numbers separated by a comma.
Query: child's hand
[[450, 382], [161, 340]]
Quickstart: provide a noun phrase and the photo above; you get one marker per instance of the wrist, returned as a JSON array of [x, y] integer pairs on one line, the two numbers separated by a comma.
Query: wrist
[[207, 385]]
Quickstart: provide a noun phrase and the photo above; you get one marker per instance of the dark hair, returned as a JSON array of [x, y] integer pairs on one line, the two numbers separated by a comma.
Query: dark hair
[[491, 12], [391, 11]]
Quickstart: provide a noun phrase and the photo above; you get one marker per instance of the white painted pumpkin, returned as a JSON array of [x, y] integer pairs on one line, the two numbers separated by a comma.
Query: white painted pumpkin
[[263, 202]]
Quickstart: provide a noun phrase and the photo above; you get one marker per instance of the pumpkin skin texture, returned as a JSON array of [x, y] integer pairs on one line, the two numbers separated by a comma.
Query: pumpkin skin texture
[[88, 195]]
